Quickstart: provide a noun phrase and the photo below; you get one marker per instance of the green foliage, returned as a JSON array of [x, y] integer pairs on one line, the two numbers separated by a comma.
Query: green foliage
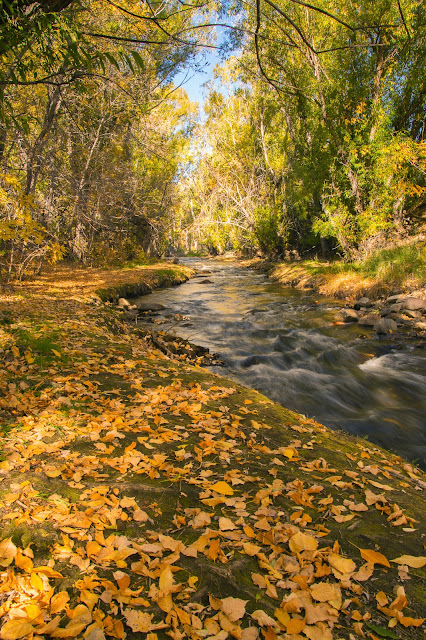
[[397, 264], [323, 138]]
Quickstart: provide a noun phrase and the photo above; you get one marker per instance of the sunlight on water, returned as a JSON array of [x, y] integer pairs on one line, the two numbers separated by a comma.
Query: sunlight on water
[[282, 342]]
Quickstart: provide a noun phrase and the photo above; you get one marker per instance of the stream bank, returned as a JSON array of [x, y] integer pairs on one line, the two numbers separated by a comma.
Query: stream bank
[[338, 280]]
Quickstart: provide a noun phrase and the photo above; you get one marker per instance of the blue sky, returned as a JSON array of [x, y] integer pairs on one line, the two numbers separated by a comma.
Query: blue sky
[[207, 60]]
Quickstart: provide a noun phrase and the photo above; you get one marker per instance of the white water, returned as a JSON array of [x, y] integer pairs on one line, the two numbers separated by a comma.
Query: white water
[[281, 342]]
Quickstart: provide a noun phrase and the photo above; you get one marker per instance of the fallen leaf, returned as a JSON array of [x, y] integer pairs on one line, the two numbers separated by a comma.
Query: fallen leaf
[[234, 608], [138, 621], [223, 488], [263, 619], [411, 622], [374, 557], [343, 565], [415, 562], [14, 629], [225, 524], [302, 542], [296, 625]]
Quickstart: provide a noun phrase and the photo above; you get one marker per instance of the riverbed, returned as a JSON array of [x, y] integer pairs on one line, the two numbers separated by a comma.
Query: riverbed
[[285, 344]]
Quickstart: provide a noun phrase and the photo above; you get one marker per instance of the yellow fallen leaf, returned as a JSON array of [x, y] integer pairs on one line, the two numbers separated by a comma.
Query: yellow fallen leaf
[[288, 453], [263, 619], [138, 621], [22, 561], [140, 516], [223, 488], [166, 580], [416, 562], [302, 542], [56, 353], [69, 632], [344, 565], [225, 524], [295, 625], [36, 582], [327, 592], [385, 487], [50, 626], [251, 549], [7, 552], [165, 603], [234, 608], [406, 621], [14, 629], [382, 599], [59, 601], [282, 616], [374, 557]]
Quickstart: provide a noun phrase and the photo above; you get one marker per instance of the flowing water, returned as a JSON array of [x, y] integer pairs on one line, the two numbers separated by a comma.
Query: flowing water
[[281, 342]]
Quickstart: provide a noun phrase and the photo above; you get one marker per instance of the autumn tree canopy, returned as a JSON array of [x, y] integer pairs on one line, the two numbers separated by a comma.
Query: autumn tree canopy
[[313, 139]]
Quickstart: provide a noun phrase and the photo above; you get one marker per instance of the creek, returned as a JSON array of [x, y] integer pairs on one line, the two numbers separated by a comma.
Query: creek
[[283, 343]]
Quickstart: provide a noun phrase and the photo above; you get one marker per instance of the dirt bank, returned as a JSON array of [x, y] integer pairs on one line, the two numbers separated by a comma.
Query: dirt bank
[[339, 280]]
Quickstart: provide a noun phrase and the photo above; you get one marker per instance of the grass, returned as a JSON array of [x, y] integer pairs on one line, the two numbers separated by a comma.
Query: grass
[[396, 269], [397, 264]]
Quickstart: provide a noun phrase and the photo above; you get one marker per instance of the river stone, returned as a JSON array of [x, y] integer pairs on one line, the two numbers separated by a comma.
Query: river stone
[[413, 304], [347, 315], [363, 302], [150, 306], [386, 325], [385, 311], [395, 307], [412, 314], [123, 303], [399, 319], [369, 320], [420, 326], [396, 298], [207, 281]]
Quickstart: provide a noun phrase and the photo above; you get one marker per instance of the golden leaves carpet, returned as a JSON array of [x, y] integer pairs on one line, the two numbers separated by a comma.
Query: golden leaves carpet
[[146, 498]]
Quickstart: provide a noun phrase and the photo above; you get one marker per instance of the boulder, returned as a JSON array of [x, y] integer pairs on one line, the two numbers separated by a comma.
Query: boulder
[[347, 315], [385, 311], [363, 302], [369, 320], [386, 325], [150, 306], [413, 304]]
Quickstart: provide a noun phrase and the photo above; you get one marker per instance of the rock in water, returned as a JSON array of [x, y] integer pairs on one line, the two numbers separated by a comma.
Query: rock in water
[[150, 306], [386, 325], [413, 304], [363, 302], [347, 315], [369, 321]]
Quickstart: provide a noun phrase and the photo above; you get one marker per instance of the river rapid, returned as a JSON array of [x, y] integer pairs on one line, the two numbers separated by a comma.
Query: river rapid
[[282, 342]]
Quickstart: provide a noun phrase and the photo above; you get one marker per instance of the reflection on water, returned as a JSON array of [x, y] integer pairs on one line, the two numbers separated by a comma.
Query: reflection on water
[[280, 341]]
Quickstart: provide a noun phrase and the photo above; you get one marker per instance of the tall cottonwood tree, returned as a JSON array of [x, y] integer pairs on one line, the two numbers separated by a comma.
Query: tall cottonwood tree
[[91, 128], [345, 88]]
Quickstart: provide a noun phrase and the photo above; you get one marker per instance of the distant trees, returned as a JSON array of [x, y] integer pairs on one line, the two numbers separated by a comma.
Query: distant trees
[[325, 135], [92, 130]]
